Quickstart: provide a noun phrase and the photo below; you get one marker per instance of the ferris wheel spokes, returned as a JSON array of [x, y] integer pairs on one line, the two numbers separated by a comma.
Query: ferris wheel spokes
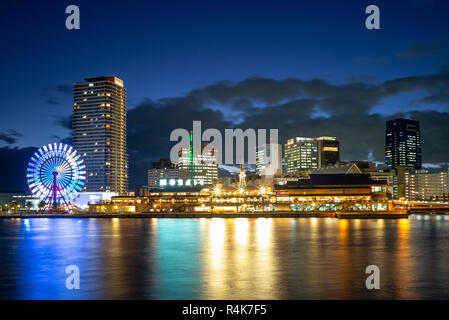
[[56, 173]]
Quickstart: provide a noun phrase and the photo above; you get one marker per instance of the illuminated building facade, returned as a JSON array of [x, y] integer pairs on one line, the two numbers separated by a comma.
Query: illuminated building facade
[[163, 169], [318, 193], [201, 167], [301, 154], [403, 144], [425, 186], [266, 155], [305, 154], [99, 132], [155, 176], [332, 192]]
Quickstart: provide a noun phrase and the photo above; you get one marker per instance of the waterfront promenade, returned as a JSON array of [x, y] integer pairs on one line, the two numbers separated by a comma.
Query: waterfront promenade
[[339, 215]]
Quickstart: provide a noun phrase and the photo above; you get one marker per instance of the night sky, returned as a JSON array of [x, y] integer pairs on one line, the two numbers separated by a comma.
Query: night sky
[[308, 68]]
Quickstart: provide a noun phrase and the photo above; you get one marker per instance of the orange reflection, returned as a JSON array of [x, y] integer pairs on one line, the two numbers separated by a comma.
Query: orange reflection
[[216, 236], [404, 262], [263, 226], [241, 231]]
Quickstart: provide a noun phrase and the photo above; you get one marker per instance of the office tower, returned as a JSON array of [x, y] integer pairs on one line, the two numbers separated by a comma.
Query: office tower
[[304, 154], [425, 186], [202, 167], [403, 144], [300, 154], [266, 155], [99, 132], [328, 151]]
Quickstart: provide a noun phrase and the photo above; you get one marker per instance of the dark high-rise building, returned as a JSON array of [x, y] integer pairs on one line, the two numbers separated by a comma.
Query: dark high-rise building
[[403, 144], [99, 132], [329, 148]]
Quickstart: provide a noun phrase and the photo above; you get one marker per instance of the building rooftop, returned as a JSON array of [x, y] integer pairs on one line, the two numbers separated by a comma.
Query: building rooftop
[[347, 168], [113, 79], [332, 180]]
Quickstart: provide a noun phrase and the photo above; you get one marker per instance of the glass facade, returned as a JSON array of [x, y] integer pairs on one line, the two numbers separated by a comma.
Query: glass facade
[[403, 144]]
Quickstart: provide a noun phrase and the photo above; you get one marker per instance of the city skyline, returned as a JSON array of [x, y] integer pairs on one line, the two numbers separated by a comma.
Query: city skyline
[[220, 155], [270, 75]]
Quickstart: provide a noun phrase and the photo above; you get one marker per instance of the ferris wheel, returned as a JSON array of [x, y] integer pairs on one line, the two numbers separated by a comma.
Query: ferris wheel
[[55, 174]]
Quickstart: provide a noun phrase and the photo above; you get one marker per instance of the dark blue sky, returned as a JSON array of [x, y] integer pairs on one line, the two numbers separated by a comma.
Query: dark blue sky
[[167, 48]]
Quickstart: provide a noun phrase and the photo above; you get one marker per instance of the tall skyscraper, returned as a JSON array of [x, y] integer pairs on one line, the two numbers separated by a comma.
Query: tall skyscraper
[[269, 154], [403, 144], [303, 154], [99, 132]]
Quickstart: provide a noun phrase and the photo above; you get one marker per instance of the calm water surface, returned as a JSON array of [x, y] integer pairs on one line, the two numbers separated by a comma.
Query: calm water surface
[[282, 258]]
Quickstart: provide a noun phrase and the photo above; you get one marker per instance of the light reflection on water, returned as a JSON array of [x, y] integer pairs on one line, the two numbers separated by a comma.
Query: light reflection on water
[[258, 258]]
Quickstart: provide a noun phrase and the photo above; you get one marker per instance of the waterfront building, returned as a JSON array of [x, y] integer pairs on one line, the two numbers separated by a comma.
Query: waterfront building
[[155, 176], [269, 160], [99, 132], [332, 192], [387, 177], [201, 167], [403, 144], [317, 193], [17, 201], [305, 154], [163, 169], [425, 186]]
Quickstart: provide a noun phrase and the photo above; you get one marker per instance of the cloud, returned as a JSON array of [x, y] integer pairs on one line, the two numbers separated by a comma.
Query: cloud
[[60, 88], [419, 51], [53, 93], [66, 140], [371, 60], [52, 101], [290, 105], [64, 121], [10, 136], [436, 166]]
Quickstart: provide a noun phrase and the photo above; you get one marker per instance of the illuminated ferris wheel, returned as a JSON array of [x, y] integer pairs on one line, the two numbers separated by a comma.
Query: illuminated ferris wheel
[[55, 174]]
